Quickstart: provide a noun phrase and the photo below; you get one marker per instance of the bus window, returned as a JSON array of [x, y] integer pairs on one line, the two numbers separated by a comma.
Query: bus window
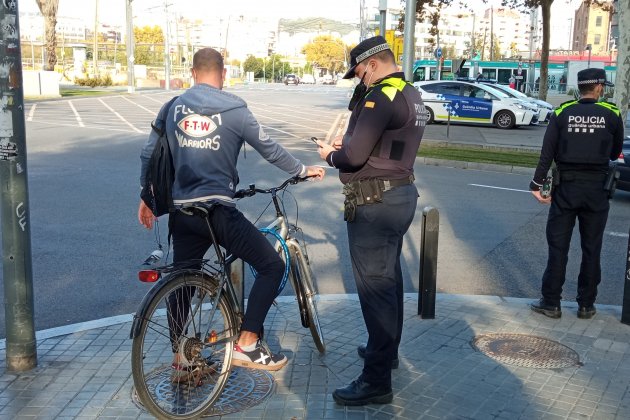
[[489, 74], [504, 76], [418, 74]]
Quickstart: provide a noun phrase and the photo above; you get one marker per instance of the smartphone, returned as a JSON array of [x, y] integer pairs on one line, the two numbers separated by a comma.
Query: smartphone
[[314, 140]]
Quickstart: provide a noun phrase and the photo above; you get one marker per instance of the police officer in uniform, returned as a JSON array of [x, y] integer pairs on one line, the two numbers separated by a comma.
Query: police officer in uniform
[[582, 138], [375, 159]]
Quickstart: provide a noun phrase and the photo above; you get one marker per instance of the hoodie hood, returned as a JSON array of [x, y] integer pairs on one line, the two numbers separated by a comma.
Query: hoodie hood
[[207, 100]]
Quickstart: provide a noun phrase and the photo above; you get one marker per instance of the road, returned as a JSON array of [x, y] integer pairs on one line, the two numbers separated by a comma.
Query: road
[[87, 244]]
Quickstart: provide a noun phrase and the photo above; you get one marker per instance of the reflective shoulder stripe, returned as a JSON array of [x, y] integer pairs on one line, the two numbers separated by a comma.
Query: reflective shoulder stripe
[[396, 82], [389, 91], [563, 106], [611, 107]]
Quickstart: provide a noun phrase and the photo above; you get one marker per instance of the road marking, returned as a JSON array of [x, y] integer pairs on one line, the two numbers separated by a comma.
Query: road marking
[[120, 116], [139, 106], [284, 132], [154, 100], [124, 130], [31, 112], [76, 114], [618, 234], [498, 188]]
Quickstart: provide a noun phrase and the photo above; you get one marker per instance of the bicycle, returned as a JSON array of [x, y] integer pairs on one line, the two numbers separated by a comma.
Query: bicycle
[[210, 323]]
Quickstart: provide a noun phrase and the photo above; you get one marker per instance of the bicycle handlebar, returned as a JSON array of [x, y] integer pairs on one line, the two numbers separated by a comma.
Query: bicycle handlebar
[[252, 190]]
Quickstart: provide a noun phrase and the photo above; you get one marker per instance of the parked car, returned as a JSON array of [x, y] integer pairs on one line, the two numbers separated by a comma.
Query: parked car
[[544, 108], [623, 164], [328, 80], [291, 79], [471, 102], [307, 79]]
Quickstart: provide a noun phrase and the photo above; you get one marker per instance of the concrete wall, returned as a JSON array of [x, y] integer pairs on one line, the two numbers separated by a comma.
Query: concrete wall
[[41, 84]]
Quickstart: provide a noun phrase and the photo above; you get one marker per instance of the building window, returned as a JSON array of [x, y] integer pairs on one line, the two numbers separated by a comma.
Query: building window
[[597, 39], [598, 21]]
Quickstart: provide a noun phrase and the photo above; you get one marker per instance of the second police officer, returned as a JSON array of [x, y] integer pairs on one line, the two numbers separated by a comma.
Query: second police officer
[[582, 137]]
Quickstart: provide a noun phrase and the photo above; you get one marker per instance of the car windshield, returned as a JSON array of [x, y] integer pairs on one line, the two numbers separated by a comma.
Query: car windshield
[[511, 91], [496, 92]]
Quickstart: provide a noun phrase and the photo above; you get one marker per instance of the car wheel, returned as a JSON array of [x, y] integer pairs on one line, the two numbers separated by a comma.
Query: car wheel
[[430, 115], [505, 120]]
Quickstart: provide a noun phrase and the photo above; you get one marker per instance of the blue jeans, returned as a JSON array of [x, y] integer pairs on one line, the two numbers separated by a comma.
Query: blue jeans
[[375, 238]]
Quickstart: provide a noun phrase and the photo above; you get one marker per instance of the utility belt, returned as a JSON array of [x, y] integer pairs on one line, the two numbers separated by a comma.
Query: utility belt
[[368, 191], [608, 179]]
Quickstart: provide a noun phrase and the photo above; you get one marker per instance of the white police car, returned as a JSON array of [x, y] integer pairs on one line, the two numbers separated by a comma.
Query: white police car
[[544, 108], [471, 102]]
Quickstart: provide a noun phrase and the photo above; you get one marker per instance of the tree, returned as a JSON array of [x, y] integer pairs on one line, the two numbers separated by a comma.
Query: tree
[[545, 6], [327, 52], [254, 65], [149, 44], [622, 82], [48, 9]]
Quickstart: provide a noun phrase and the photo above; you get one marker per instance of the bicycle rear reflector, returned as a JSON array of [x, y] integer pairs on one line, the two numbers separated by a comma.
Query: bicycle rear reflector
[[148, 276]]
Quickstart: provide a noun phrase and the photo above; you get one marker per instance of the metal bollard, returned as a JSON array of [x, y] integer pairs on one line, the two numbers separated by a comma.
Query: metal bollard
[[428, 262], [625, 308]]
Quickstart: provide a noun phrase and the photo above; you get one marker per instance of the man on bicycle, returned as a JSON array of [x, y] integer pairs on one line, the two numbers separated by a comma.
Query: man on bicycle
[[206, 128]]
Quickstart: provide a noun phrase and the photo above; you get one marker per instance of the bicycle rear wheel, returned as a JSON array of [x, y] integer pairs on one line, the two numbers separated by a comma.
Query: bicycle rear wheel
[[305, 291], [202, 330]]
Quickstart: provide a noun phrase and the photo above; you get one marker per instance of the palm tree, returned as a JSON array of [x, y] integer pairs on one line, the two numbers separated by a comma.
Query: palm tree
[[48, 8]]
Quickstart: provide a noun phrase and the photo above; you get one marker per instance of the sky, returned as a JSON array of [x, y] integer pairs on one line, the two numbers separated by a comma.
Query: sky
[[114, 10], [151, 12]]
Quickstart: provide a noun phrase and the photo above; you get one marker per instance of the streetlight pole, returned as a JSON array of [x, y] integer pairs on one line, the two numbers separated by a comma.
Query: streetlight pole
[[95, 53], [130, 48], [17, 270], [167, 51], [589, 47], [409, 41], [383, 11]]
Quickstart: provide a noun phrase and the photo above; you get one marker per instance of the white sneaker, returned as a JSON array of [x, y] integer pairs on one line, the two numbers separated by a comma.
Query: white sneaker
[[259, 358]]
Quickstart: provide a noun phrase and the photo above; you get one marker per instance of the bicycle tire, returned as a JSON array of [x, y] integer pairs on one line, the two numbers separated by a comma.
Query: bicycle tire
[[184, 393], [300, 294], [301, 269]]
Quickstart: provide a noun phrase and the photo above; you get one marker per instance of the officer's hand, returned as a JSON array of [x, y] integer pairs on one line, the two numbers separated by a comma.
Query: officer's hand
[[145, 215], [336, 143], [324, 149], [315, 171], [540, 198]]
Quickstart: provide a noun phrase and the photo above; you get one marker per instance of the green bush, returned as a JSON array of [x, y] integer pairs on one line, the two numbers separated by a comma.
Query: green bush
[[94, 81]]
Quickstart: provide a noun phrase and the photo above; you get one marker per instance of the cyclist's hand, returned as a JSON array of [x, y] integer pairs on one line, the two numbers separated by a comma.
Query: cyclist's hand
[[316, 172], [145, 215]]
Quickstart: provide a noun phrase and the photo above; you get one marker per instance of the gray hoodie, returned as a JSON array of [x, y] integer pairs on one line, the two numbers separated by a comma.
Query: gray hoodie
[[206, 128]]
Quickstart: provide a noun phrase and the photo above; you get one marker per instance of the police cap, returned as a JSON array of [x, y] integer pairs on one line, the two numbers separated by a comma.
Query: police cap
[[592, 76], [364, 50]]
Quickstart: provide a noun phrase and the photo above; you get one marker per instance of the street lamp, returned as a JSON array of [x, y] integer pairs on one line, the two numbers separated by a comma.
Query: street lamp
[[589, 48]]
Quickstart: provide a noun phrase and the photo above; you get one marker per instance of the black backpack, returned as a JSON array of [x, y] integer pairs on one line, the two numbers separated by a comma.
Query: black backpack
[[157, 191]]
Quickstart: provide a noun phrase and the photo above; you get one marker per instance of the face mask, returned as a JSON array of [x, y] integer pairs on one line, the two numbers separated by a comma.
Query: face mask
[[359, 92]]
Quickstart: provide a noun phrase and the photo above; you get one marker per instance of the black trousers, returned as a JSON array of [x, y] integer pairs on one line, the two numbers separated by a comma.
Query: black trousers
[[238, 236], [588, 202], [376, 238]]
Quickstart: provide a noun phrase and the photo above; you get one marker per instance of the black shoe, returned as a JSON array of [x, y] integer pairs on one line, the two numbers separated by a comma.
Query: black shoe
[[542, 307], [586, 312], [360, 392], [361, 352]]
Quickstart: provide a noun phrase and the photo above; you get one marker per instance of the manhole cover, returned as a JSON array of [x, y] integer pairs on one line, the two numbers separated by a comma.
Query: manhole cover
[[526, 350], [245, 388]]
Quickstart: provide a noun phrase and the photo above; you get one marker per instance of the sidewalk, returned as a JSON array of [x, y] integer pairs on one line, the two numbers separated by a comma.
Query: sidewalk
[[86, 374]]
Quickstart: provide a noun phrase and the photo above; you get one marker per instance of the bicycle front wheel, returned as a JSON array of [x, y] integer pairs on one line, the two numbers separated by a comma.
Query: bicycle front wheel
[[181, 354], [303, 278]]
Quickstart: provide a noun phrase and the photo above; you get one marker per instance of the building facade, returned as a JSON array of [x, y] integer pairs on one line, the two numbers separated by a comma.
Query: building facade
[[591, 26]]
